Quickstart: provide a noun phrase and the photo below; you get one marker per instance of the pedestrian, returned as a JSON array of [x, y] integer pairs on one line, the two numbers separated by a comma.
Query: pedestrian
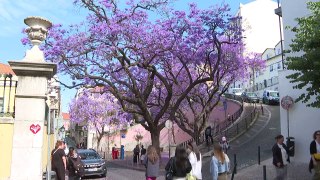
[[136, 152], [151, 161], [220, 164], [195, 160], [315, 155], [224, 144], [208, 134], [58, 160], [178, 166], [280, 158], [75, 166], [143, 152]]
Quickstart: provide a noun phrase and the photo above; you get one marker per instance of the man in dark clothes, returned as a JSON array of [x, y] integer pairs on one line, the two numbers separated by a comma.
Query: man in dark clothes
[[143, 154], [136, 152], [280, 158], [58, 160], [208, 134]]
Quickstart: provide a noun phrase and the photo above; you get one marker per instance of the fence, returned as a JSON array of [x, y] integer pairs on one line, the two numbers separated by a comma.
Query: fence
[[8, 88], [223, 126]]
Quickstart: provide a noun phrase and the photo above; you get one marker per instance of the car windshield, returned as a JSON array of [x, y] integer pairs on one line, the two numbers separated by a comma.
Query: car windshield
[[89, 155], [274, 94], [252, 94], [236, 90]]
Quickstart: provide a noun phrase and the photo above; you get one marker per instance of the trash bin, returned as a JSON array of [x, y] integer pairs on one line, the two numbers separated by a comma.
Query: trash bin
[[290, 146], [122, 152]]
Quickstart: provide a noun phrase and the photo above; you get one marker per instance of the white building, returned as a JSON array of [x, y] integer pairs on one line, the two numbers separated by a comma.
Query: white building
[[303, 121], [261, 29], [268, 79]]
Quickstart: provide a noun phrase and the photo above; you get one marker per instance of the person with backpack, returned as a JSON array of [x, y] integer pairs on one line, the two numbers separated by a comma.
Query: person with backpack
[[75, 166], [178, 166], [152, 161], [208, 134]]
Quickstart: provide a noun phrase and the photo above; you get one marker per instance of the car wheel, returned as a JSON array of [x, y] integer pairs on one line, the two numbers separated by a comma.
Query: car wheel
[[104, 175]]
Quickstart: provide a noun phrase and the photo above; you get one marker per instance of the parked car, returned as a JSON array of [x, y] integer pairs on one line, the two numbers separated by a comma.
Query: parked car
[[93, 163], [250, 97], [236, 91], [270, 97]]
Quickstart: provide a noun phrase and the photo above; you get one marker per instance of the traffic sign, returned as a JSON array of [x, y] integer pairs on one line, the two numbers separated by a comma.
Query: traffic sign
[[287, 102]]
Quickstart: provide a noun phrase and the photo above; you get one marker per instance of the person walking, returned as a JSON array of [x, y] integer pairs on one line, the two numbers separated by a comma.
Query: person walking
[[58, 160], [224, 144], [208, 134], [75, 166], [178, 166], [280, 158], [151, 161], [315, 155], [136, 152], [143, 152], [195, 160], [220, 164]]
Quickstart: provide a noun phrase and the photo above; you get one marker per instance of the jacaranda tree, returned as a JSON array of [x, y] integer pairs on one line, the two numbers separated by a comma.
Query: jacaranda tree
[[97, 111], [149, 65]]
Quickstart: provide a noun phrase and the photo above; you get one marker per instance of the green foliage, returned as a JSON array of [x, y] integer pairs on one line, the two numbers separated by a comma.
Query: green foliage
[[307, 65]]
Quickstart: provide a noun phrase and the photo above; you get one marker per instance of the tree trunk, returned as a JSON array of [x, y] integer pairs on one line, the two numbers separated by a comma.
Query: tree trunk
[[155, 139]]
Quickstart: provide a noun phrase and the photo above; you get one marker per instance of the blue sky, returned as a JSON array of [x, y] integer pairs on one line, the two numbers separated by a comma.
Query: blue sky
[[12, 13]]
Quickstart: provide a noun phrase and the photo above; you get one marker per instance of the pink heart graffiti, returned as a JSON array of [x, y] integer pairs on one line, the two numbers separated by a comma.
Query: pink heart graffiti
[[35, 128]]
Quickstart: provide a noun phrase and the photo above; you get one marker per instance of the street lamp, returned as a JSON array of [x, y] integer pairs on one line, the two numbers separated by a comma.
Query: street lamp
[[169, 126]]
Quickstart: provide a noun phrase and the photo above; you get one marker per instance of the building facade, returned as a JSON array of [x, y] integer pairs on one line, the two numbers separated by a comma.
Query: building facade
[[303, 121], [268, 78], [261, 31]]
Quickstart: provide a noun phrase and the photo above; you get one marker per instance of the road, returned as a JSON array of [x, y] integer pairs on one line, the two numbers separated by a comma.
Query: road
[[245, 147], [116, 172], [261, 134]]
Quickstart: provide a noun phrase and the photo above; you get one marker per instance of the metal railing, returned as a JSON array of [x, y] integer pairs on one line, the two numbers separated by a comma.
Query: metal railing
[[7, 99], [224, 125]]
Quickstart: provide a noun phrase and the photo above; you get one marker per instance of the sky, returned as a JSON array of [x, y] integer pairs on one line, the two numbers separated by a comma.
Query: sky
[[13, 12]]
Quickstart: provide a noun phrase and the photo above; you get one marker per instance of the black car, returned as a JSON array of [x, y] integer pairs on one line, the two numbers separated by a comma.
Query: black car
[[250, 97], [93, 163]]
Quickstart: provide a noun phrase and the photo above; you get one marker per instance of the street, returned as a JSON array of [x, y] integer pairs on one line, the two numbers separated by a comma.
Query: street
[[116, 172]]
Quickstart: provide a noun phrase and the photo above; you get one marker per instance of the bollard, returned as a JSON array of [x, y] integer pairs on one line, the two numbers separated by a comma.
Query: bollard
[[235, 162], [259, 155], [264, 172]]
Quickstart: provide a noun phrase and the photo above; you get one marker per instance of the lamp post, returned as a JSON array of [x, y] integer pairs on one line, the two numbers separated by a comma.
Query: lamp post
[[169, 126]]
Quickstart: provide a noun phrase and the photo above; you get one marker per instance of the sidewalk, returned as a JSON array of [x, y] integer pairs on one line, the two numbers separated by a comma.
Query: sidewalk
[[296, 171], [128, 163]]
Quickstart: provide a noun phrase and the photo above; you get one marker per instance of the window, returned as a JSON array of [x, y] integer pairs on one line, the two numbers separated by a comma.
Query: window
[[1, 104], [279, 65], [267, 56], [271, 67]]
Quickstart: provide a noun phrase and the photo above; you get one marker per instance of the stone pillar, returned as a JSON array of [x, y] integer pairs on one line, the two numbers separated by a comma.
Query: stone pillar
[[33, 74]]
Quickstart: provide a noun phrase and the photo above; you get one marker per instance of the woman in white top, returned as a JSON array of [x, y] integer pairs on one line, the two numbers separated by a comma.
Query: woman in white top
[[195, 160], [220, 164]]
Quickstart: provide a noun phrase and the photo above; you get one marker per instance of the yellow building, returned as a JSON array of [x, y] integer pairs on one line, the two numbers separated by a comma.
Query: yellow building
[[8, 85]]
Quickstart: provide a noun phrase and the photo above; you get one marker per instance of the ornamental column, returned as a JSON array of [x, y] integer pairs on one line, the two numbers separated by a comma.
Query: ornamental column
[[30, 106]]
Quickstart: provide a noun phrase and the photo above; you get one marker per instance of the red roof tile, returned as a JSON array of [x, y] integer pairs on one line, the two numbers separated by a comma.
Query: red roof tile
[[66, 116], [6, 69]]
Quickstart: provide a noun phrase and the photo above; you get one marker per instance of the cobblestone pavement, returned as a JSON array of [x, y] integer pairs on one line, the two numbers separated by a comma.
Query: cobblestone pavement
[[262, 134]]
